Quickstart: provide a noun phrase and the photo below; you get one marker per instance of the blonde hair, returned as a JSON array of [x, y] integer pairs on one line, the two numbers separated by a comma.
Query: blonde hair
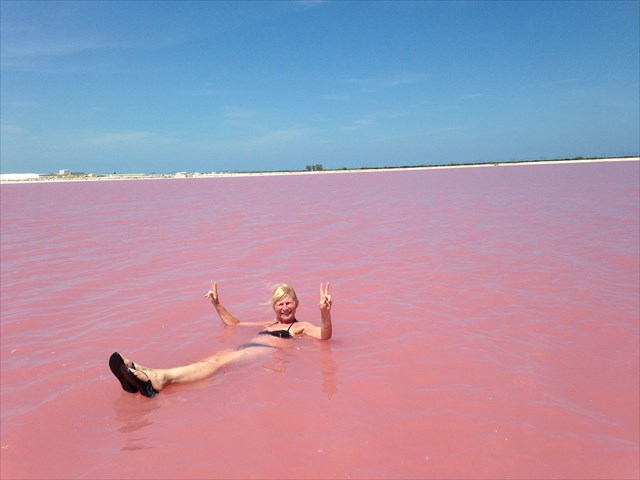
[[280, 291]]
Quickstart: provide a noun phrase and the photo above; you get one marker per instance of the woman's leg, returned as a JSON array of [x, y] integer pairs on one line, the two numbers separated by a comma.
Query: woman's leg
[[161, 377]]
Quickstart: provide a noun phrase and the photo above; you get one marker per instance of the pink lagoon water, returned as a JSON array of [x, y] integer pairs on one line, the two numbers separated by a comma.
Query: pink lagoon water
[[486, 325]]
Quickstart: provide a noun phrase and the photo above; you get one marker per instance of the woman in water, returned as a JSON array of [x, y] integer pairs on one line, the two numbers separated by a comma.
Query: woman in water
[[149, 381]]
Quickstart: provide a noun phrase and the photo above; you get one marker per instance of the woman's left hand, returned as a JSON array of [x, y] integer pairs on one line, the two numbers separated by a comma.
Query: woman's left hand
[[325, 298]]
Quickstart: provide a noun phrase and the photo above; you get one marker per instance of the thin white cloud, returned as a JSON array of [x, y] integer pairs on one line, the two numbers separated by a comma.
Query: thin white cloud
[[209, 89], [49, 47], [373, 120], [123, 138], [420, 134], [8, 129], [399, 79], [469, 96], [276, 137], [42, 48], [265, 141], [285, 135], [119, 138], [552, 83], [358, 124], [308, 4], [89, 139], [29, 40], [54, 54], [19, 104], [235, 112], [335, 96]]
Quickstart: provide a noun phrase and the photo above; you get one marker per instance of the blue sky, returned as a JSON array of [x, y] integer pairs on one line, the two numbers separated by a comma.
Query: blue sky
[[213, 86]]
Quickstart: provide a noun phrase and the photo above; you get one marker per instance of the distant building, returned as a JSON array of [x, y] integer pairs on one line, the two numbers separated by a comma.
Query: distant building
[[68, 173]]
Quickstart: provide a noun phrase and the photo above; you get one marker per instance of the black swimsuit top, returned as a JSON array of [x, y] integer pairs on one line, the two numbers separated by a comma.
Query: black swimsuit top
[[279, 333]]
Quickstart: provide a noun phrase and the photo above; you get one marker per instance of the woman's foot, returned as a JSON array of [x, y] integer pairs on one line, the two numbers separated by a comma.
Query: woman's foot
[[146, 382]]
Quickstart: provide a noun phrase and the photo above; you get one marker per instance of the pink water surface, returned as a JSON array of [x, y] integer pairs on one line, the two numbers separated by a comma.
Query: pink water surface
[[485, 325]]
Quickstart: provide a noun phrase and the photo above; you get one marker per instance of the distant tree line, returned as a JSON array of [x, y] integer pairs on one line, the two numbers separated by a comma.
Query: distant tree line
[[315, 168]]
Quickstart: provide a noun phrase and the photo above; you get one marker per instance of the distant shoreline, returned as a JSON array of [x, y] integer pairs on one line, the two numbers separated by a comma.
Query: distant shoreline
[[75, 177]]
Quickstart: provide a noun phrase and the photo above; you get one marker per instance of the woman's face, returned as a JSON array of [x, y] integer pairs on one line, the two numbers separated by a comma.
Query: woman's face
[[285, 309]]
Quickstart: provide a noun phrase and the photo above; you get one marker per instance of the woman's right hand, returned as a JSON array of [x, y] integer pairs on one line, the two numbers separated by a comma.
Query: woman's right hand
[[213, 293], [224, 315]]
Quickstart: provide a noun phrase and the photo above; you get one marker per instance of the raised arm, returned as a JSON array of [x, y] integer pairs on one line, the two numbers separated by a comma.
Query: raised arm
[[224, 315], [323, 332], [325, 312]]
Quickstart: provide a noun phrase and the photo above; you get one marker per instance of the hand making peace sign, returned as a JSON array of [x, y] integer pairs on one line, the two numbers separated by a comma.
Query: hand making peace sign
[[325, 298], [213, 293]]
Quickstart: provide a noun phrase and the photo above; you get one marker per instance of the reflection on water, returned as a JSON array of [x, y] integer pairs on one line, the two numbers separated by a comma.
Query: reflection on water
[[134, 417], [329, 370]]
